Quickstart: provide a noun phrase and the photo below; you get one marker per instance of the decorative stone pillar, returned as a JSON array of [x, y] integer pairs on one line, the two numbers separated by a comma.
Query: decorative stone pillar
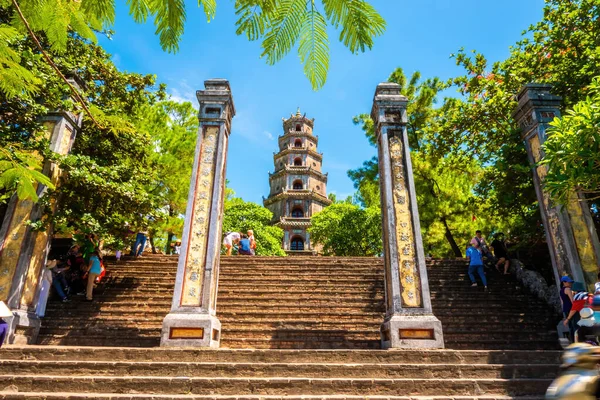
[[409, 320], [23, 252], [570, 232], [192, 320]]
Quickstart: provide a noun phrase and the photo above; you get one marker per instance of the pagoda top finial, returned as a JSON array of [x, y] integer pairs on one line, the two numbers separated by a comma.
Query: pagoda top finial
[[298, 114]]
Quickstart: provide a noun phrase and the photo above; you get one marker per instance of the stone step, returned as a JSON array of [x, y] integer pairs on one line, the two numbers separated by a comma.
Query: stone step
[[274, 386], [396, 356], [113, 396], [274, 370]]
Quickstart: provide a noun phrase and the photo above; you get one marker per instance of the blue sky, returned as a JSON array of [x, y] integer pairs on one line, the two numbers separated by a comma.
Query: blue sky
[[421, 35]]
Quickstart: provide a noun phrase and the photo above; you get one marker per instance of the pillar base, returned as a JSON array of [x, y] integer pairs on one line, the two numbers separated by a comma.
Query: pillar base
[[412, 332], [24, 328], [182, 329]]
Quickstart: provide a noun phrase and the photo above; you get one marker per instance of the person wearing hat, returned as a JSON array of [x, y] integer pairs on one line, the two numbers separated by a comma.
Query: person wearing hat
[[587, 331], [4, 313], [566, 297], [580, 299]]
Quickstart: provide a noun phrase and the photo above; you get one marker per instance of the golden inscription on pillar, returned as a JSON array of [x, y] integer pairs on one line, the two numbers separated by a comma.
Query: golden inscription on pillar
[[9, 254], [583, 239], [409, 275], [196, 251]]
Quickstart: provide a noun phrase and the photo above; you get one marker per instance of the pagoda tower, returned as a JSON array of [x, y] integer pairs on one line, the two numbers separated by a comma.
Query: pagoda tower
[[298, 187]]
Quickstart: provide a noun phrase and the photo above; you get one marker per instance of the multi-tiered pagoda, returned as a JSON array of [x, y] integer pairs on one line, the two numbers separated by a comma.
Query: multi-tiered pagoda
[[298, 187]]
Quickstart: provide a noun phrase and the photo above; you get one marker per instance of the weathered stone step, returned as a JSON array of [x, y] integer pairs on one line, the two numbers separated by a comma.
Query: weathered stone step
[[273, 370], [274, 386], [113, 396], [399, 356]]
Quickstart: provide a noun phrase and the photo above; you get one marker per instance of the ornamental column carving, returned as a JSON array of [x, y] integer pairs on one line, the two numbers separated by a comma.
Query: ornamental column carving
[[409, 320], [192, 320], [23, 251], [570, 232]]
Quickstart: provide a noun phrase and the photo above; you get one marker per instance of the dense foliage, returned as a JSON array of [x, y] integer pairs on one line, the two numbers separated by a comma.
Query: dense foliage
[[572, 151], [240, 216], [471, 169], [346, 229]]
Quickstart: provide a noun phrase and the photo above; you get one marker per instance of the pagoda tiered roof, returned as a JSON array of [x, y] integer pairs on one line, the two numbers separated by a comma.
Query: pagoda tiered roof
[[301, 150], [298, 170], [297, 193]]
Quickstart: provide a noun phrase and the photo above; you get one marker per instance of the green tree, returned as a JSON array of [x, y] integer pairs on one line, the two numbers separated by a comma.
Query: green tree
[[572, 150], [346, 229], [173, 129], [240, 216]]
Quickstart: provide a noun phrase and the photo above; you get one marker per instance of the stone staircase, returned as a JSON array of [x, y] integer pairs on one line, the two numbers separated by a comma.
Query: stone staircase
[[157, 373], [299, 303], [310, 325]]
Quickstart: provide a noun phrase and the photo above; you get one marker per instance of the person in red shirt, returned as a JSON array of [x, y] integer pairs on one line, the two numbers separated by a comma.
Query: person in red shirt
[[580, 300]]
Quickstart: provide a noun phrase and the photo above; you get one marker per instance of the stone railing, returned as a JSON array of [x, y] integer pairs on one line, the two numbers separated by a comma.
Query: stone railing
[[536, 284]]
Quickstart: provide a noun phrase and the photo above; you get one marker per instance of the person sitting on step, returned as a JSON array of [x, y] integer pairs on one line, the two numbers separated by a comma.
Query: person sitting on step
[[245, 247]]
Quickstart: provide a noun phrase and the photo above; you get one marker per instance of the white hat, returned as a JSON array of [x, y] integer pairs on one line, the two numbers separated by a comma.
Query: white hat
[[586, 315], [4, 311]]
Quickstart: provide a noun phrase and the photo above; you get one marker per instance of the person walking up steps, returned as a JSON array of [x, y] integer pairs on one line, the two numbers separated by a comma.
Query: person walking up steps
[[476, 265]]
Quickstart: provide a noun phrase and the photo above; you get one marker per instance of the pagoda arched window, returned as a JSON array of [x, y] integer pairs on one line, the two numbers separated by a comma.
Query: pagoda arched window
[[298, 127], [298, 162], [297, 243], [297, 212], [297, 185], [298, 143]]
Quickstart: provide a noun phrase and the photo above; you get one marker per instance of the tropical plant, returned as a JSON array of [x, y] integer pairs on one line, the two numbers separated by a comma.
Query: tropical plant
[[241, 216], [346, 229], [572, 150]]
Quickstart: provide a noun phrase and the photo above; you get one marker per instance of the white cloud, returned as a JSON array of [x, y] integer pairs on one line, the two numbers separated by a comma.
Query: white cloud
[[269, 135], [182, 92]]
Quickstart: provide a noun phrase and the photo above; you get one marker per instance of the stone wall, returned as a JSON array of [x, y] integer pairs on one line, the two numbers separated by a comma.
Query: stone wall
[[536, 284]]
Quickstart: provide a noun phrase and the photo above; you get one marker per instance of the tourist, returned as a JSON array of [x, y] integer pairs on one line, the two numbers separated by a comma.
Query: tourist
[[89, 246], [580, 299], [245, 248], [231, 238], [586, 331], [4, 313], [566, 295], [597, 285], [501, 253], [94, 269], [58, 280], [479, 240], [476, 264], [140, 244], [177, 247], [252, 241]]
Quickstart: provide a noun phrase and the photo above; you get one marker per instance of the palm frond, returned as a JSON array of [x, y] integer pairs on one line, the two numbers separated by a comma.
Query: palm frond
[[139, 10], [210, 8], [169, 21], [253, 17], [314, 48], [359, 20], [284, 29]]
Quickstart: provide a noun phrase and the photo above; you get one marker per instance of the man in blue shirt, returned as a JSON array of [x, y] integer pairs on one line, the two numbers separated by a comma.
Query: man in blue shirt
[[244, 248], [476, 264]]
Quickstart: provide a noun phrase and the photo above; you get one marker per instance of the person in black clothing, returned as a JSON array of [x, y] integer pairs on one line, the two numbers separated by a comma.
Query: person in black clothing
[[501, 253], [587, 331]]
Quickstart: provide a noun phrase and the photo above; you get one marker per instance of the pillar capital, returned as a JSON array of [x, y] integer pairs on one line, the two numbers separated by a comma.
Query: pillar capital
[[389, 106], [216, 103], [536, 105], [409, 321]]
